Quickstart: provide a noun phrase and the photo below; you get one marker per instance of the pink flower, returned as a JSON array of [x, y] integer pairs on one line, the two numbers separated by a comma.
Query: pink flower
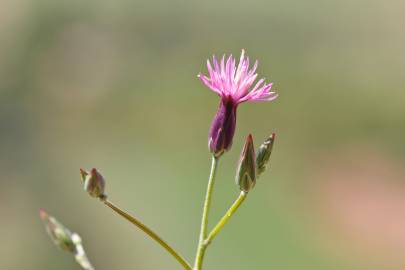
[[234, 86], [235, 83]]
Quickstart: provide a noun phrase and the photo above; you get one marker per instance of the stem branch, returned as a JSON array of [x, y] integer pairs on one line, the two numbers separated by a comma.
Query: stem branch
[[149, 232], [226, 217]]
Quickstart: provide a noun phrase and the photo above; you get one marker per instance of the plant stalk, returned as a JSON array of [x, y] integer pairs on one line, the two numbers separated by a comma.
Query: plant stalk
[[235, 206], [204, 222], [149, 232]]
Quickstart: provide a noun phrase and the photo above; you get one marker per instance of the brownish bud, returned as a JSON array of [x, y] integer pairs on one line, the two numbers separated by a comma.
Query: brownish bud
[[94, 183]]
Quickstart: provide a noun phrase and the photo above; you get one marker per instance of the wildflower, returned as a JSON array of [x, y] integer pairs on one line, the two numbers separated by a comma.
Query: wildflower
[[246, 173], [234, 86]]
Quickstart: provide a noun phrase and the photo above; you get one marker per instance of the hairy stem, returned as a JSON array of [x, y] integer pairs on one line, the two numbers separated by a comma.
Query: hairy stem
[[149, 232], [204, 222]]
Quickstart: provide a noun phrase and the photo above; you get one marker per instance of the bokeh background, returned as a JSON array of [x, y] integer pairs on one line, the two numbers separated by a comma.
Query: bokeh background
[[112, 84]]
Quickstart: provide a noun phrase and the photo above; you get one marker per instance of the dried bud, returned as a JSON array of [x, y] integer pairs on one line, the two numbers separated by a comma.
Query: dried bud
[[222, 128], [264, 153], [246, 173], [94, 183], [59, 234]]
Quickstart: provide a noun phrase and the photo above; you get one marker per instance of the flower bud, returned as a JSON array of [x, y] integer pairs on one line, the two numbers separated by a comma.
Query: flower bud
[[94, 183], [264, 153], [65, 239], [83, 175], [246, 173], [59, 234], [222, 127]]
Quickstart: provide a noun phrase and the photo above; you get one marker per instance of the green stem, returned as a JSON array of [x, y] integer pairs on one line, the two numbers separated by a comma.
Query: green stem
[[226, 217], [204, 222], [149, 232]]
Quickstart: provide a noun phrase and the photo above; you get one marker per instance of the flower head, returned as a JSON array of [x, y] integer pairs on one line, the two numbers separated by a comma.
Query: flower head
[[234, 84]]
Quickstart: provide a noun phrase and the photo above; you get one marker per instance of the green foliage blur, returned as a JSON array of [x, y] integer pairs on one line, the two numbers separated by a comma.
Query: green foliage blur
[[113, 85]]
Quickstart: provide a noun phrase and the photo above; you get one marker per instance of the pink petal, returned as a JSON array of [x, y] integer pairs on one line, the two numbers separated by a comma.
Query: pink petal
[[207, 83]]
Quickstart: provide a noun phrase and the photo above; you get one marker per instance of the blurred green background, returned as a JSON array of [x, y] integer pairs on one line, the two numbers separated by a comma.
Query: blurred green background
[[112, 84]]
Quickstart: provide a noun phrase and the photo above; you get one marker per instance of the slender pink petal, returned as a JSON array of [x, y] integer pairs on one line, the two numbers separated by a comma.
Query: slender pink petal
[[207, 83], [229, 72], [253, 70], [216, 66], [210, 70], [223, 75]]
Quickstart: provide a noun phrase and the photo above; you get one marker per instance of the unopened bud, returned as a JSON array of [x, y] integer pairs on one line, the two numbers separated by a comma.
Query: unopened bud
[[59, 234], [94, 183], [263, 154], [66, 240], [246, 173], [83, 174]]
